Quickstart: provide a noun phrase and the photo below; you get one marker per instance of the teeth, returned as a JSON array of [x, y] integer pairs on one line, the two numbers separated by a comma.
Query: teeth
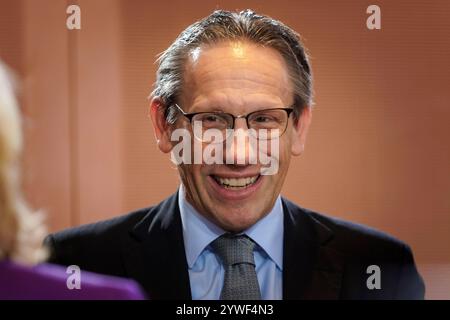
[[236, 183]]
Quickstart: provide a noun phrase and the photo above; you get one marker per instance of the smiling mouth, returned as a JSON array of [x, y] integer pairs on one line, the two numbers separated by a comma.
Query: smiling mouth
[[236, 183]]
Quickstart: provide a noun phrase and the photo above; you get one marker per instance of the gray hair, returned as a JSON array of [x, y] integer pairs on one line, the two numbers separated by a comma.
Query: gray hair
[[222, 26]]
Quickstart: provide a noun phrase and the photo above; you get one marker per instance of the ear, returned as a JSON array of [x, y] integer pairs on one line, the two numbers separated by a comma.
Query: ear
[[300, 131], [161, 128]]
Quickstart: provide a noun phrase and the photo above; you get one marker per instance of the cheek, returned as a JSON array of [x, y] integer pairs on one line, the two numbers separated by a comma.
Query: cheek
[[287, 150], [275, 159], [285, 157], [193, 179], [197, 172], [188, 172], [284, 149]]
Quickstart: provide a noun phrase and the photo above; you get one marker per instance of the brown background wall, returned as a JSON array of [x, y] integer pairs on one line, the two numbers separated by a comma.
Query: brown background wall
[[378, 152]]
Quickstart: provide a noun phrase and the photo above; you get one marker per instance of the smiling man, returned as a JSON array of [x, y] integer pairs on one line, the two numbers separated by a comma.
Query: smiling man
[[238, 78], [227, 233]]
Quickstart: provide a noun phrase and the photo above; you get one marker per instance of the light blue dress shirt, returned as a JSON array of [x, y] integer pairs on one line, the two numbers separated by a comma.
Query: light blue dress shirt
[[206, 273]]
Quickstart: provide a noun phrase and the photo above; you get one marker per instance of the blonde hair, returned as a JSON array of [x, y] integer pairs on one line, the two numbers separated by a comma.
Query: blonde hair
[[21, 230]]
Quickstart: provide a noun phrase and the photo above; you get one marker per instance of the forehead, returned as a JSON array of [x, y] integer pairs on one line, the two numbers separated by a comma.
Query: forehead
[[235, 74]]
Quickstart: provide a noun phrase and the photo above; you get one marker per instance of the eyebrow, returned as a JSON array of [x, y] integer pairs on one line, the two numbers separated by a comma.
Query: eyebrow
[[206, 108], [219, 108]]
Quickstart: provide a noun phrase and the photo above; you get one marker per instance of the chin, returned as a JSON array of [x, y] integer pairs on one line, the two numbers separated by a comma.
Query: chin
[[237, 222]]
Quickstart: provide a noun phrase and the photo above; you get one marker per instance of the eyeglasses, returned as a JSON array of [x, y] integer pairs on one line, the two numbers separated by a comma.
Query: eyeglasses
[[264, 124]]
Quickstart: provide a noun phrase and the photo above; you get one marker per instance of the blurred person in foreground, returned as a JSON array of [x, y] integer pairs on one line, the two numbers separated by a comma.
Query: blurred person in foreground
[[22, 275], [227, 233]]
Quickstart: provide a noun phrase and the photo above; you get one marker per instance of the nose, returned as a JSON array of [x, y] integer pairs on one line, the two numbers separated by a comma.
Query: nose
[[240, 145], [240, 122]]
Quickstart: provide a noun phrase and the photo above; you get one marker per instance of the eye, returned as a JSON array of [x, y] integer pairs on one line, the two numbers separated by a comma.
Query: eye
[[267, 119], [262, 118], [211, 118]]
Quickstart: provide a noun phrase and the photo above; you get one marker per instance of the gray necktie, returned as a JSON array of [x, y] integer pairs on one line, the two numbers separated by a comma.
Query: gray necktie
[[236, 254]]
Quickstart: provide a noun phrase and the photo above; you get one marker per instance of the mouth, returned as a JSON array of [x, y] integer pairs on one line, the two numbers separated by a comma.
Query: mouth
[[232, 188], [236, 183]]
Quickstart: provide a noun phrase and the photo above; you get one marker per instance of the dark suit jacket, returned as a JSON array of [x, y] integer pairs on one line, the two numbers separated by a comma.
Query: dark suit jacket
[[324, 258]]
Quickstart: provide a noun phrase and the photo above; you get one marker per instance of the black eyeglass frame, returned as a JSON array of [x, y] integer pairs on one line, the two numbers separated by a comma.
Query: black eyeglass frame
[[190, 116]]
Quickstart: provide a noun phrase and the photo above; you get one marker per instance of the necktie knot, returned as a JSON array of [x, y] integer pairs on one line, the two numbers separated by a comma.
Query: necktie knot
[[236, 255], [234, 249]]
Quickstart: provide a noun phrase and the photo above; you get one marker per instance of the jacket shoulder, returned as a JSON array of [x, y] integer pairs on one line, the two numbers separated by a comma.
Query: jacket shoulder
[[361, 247], [354, 239]]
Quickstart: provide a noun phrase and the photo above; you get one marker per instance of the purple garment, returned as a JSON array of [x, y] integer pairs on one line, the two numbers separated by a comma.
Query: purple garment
[[49, 282]]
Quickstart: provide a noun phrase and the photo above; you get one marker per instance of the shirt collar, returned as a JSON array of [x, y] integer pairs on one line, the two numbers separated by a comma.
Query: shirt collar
[[268, 233], [199, 232]]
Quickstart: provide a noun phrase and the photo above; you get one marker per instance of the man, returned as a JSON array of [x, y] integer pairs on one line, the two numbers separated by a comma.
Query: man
[[227, 233]]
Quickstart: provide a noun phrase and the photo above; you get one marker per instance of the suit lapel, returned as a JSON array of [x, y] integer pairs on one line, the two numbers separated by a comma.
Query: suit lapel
[[311, 268], [154, 253]]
